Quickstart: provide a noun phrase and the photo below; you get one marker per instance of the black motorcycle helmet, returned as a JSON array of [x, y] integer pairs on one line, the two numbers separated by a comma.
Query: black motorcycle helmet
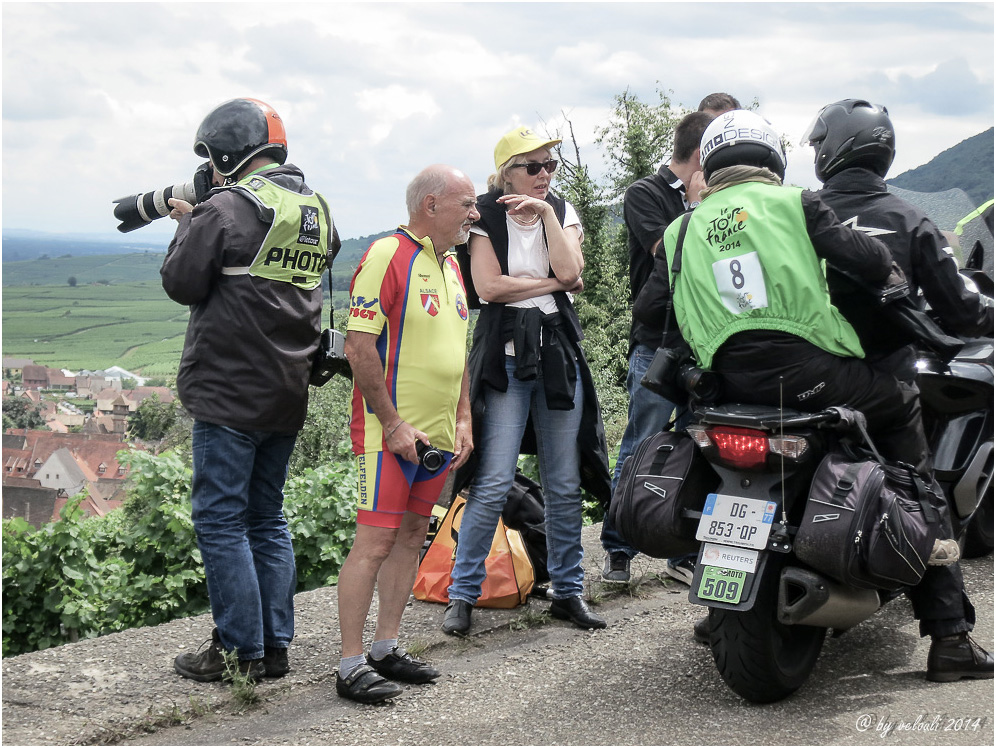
[[236, 131], [852, 132], [741, 138]]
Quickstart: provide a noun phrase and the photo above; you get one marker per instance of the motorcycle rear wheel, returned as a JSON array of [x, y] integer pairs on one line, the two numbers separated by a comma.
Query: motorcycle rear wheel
[[759, 658]]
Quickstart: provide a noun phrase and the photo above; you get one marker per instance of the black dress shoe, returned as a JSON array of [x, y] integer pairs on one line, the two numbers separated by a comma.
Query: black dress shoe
[[457, 619], [575, 610], [366, 686], [402, 666], [955, 657]]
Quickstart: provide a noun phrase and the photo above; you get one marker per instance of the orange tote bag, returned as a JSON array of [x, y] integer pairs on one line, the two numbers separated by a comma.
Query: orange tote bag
[[509, 575]]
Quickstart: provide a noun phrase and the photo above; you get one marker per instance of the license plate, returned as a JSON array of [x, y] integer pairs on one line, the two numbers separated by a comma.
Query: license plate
[[732, 520], [730, 557], [721, 585]]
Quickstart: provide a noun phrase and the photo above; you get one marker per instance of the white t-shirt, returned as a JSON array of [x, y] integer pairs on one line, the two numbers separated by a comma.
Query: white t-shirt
[[529, 257]]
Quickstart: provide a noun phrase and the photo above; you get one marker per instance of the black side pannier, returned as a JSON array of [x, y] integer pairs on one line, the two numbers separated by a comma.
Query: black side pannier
[[664, 477], [868, 525]]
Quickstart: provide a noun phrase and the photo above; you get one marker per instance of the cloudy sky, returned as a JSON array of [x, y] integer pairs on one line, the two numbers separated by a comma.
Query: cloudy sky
[[103, 100]]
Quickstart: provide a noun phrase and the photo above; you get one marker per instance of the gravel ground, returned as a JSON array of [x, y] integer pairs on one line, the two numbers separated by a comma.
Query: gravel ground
[[642, 681]]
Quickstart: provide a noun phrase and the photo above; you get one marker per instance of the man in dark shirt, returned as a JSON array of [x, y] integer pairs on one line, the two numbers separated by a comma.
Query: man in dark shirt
[[649, 206]]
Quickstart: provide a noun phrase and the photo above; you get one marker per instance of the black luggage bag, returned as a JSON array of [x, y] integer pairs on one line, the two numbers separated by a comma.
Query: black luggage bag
[[660, 481]]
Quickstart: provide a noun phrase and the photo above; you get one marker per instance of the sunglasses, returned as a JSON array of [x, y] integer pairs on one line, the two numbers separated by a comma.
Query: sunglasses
[[533, 167]]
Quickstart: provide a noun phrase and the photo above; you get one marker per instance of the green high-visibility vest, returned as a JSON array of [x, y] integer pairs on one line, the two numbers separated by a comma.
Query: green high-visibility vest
[[295, 248], [748, 264]]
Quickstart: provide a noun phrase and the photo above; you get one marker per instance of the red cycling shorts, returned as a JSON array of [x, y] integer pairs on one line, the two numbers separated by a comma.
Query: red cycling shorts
[[389, 486]]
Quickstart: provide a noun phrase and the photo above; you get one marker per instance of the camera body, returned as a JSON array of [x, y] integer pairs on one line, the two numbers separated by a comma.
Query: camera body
[[138, 210], [673, 375], [330, 358], [429, 457]]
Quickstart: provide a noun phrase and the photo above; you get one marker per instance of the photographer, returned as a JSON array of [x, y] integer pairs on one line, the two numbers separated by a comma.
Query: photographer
[[248, 260]]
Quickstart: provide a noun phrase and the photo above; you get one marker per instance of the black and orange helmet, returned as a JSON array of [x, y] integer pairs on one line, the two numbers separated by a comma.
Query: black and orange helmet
[[236, 131]]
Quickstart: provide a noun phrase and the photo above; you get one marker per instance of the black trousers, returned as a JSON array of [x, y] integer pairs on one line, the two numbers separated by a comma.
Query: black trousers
[[767, 368]]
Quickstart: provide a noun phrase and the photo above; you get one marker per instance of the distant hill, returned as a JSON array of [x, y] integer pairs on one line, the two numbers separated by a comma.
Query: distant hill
[[30, 245], [967, 166]]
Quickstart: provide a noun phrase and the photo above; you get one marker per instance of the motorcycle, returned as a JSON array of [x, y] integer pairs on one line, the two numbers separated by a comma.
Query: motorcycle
[[769, 613]]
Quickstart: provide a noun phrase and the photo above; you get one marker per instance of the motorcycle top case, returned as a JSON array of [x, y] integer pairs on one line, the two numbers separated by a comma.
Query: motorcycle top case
[[867, 525], [664, 477]]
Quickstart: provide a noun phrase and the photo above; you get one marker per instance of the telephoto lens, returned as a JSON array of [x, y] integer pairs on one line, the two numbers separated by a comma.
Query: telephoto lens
[[429, 457], [139, 210]]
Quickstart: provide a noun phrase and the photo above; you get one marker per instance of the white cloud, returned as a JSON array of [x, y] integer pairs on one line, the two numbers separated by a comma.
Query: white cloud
[[102, 100]]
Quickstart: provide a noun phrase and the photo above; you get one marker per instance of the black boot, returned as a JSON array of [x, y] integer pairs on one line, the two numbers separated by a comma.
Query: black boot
[[208, 664], [457, 619], [575, 610], [955, 657]]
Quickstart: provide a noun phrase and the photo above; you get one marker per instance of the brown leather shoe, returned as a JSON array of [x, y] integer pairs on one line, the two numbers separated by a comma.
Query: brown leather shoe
[[955, 657]]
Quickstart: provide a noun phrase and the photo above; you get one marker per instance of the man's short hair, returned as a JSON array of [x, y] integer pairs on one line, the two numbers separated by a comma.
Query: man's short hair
[[719, 102], [688, 135], [426, 182]]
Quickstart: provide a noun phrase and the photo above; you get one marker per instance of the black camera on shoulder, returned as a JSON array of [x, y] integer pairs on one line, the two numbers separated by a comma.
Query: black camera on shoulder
[[330, 358], [429, 457], [673, 375]]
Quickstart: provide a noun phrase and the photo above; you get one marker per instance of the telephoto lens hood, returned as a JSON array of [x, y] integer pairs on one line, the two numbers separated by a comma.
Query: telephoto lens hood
[[139, 210]]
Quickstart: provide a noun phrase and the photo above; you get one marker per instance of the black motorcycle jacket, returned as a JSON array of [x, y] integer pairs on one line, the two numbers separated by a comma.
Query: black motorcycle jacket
[[861, 200]]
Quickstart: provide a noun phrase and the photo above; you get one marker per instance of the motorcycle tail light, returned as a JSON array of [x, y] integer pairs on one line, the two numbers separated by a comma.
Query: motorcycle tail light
[[790, 447], [740, 447]]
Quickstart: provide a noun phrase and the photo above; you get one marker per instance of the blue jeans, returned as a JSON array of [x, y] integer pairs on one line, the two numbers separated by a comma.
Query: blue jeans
[[648, 414], [504, 422], [237, 497]]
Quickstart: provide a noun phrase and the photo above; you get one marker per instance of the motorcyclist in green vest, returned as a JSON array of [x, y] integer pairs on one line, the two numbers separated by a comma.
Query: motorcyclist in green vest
[[751, 297], [752, 302], [248, 260]]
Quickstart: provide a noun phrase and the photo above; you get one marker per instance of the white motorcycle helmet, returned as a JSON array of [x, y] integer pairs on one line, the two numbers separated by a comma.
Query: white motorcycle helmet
[[743, 138]]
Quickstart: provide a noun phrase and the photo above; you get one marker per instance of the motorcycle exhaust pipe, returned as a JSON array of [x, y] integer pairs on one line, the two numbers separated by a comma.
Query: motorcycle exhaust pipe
[[806, 598]]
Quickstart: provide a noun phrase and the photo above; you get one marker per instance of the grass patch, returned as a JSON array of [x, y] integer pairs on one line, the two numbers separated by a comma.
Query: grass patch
[[242, 687], [529, 619]]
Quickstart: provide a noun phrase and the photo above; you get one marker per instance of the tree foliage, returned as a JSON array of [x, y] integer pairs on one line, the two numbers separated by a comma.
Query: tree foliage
[[21, 413]]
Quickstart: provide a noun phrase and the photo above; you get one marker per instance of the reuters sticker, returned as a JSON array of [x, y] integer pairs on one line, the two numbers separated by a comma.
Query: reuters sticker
[[461, 307]]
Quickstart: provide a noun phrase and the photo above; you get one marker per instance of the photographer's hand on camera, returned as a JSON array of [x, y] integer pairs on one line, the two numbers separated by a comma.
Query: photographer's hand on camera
[[180, 208]]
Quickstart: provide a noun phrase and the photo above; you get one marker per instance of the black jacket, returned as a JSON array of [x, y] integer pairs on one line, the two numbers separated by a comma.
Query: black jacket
[[250, 341], [861, 200], [649, 207]]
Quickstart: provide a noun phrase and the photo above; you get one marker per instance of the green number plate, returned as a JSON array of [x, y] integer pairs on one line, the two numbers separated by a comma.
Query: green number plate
[[721, 585]]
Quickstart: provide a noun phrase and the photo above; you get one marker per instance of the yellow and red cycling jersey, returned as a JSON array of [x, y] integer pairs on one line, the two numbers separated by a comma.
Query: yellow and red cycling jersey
[[418, 309]]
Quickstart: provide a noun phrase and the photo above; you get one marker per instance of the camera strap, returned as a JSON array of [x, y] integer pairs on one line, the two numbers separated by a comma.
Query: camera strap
[[675, 270]]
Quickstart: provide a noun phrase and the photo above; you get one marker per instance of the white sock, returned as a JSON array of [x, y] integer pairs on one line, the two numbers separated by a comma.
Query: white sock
[[348, 664], [380, 650]]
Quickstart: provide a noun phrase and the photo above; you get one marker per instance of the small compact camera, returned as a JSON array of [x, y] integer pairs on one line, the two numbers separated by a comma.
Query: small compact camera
[[673, 375], [429, 457], [330, 358]]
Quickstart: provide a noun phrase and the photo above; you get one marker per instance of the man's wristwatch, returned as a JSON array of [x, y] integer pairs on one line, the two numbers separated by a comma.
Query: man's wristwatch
[[694, 204]]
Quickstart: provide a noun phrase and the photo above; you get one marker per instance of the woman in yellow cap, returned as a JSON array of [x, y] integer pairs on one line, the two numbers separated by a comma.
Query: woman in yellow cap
[[525, 366]]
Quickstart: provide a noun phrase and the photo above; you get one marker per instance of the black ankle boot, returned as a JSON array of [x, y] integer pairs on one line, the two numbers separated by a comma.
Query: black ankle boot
[[955, 657], [575, 610]]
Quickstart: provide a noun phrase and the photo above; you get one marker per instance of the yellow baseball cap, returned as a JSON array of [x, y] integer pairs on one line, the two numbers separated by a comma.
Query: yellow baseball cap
[[520, 140]]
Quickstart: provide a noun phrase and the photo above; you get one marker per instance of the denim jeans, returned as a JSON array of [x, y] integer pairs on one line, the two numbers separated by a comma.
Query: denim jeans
[[237, 497], [648, 414], [504, 422]]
